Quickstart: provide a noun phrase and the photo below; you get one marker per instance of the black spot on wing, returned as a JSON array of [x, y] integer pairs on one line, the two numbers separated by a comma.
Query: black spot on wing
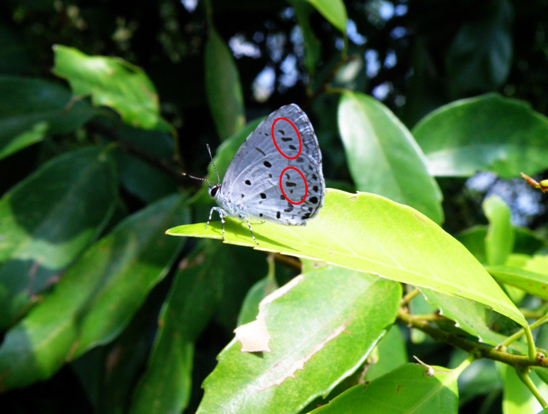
[[261, 151]]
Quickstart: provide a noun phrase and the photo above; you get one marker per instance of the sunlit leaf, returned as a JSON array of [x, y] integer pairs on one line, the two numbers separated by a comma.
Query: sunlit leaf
[[97, 296], [499, 241], [111, 82], [383, 157], [408, 389], [334, 12], [372, 234], [489, 132], [322, 326], [47, 221]]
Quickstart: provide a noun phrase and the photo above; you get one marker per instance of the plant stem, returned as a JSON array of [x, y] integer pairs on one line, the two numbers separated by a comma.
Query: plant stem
[[522, 375], [163, 165], [409, 296], [511, 339], [482, 351]]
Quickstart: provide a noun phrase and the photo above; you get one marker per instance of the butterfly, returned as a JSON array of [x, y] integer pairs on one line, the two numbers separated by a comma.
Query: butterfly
[[276, 174]]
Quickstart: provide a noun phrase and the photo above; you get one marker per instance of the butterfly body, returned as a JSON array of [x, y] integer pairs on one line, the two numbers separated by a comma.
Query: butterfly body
[[276, 175]]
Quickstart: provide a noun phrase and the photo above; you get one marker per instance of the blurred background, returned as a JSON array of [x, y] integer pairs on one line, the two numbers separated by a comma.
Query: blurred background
[[412, 55]]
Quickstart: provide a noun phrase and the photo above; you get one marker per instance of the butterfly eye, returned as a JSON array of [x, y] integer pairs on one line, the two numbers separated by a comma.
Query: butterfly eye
[[214, 190]]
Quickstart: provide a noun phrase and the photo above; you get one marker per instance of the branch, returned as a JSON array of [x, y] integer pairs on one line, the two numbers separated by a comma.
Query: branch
[[481, 351], [162, 165]]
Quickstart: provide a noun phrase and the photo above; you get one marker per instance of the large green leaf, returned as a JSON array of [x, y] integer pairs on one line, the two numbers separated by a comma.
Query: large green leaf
[[96, 297], [224, 90], [47, 220], [372, 234], [334, 12], [408, 389], [31, 109], [321, 325], [489, 132], [480, 57], [383, 157], [112, 82], [196, 291]]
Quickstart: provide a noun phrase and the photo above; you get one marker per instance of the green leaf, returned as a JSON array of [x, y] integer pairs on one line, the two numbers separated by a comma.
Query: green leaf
[[96, 297], [383, 157], [195, 293], [312, 45], [480, 57], [250, 305], [390, 354], [334, 12], [47, 221], [372, 234], [516, 397], [107, 373], [481, 377], [112, 82], [138, 177], [489, 132], [527, 273], [322, 326], [31, 109], [224, 90], [470, 317], [526, 241], [407, 389], [499, 241]]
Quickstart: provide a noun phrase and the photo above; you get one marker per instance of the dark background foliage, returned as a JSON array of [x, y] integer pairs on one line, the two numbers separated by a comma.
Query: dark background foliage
[[412, 55]]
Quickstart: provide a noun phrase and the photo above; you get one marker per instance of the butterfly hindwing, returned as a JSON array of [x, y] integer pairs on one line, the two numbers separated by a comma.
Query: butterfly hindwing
[[281, 154]]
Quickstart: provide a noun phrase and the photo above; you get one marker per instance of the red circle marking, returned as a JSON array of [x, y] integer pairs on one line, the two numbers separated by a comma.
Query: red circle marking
[[305, 185], [298, 135]]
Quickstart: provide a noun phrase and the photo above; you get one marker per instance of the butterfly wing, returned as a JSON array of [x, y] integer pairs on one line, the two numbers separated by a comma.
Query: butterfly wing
[[277, 172]]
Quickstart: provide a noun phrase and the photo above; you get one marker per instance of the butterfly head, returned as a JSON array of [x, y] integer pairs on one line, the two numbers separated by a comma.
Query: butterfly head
[[214, 190]]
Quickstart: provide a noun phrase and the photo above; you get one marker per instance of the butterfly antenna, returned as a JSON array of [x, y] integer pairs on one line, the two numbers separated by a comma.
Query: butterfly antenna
[[214, 167], [196, 178]]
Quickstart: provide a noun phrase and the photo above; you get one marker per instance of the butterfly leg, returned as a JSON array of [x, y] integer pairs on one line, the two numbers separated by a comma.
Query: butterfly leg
[[221, 215], [251, 231]]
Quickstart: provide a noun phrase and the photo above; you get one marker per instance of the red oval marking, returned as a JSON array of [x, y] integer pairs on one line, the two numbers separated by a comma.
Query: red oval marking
[[298, 135], [305, 185]]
